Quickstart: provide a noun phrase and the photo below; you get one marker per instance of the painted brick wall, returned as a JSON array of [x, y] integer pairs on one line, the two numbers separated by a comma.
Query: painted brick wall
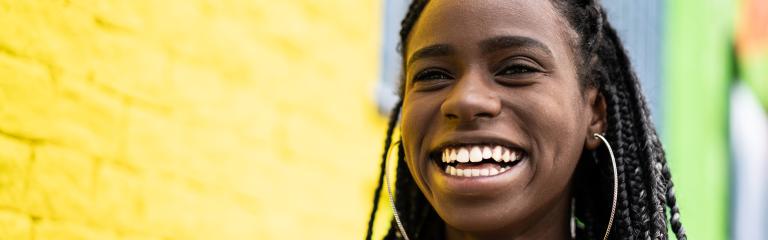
[[177, 119]]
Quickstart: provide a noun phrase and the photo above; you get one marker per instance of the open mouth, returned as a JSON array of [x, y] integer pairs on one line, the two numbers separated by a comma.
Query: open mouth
[[477, 160]]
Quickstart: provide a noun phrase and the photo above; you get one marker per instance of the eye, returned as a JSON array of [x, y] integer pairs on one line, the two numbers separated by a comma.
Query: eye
[[432, 74], [517, 69], [518, 74], [431, 80]]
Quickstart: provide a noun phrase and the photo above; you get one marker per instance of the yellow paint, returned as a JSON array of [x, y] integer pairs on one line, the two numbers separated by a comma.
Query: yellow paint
[[209, 119]]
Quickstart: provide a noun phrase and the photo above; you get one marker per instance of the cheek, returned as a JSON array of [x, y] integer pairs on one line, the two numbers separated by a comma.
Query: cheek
[[418, 115], [411, 119], [554, 122], [419, 120]]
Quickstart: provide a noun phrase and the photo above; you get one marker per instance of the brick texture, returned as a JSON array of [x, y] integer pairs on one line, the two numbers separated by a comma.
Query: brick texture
[[205, 119]]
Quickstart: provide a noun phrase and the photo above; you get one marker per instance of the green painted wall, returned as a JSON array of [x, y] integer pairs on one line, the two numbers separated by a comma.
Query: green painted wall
[[697, 73]]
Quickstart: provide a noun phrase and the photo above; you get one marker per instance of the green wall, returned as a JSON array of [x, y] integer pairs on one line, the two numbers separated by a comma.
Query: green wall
[[697, 75]]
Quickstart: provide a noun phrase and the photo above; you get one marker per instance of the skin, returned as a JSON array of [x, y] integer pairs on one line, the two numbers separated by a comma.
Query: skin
[[520, 90]]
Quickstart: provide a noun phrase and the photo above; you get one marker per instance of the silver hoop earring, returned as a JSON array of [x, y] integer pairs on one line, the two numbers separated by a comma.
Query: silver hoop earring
[[400, 227], [615, 184], [573, 218]]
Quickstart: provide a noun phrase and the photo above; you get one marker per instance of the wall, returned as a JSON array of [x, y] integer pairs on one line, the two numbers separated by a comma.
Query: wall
[[697, 76], [205, 119]]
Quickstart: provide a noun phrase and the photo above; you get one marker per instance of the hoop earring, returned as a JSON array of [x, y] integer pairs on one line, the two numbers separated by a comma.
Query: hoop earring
[[615, 184], [573, 218], [400, 227]]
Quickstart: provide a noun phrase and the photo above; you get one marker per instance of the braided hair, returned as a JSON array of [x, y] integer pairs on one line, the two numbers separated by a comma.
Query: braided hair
[[646, 191]]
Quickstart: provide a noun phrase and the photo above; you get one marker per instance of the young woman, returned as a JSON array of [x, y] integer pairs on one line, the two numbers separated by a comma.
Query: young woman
[[504, 104]]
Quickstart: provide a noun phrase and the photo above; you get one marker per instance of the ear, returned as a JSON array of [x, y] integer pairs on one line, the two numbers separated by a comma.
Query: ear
[[597, 117]]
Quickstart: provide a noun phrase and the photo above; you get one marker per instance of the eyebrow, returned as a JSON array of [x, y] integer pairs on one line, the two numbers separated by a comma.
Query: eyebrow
[[503, 42], [486, 46], [437, 50]]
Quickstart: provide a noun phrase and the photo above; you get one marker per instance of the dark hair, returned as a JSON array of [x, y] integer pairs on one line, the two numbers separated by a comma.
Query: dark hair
[[645, 184]]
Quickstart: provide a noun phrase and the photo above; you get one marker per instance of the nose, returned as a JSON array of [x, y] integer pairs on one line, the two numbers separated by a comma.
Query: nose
[[472, 98]]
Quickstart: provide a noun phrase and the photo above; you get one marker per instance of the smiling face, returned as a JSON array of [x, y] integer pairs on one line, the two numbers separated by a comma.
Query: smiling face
[[494, 118]]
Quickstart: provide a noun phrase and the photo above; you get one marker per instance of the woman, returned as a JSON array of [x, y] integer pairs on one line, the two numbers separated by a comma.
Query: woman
[[503, 105]]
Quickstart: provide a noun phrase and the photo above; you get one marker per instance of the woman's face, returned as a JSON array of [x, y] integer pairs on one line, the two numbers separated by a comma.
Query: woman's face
[[494, 120]]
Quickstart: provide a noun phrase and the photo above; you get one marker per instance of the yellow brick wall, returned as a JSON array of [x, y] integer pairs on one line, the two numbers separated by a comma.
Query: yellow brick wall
[[178, 119]]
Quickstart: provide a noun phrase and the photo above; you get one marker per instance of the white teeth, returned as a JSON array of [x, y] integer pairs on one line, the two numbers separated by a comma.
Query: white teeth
[[487, 152], [497, 153], [463, 155], [485, 172], [475, 155], [478, 153]]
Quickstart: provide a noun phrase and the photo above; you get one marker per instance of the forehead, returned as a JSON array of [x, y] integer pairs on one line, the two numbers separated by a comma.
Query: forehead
[[466, 23]]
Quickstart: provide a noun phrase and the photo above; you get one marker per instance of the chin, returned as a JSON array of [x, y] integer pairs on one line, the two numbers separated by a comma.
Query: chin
[[480, 216]]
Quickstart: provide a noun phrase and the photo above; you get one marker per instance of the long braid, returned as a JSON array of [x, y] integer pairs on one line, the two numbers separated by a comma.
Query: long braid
[[620, 139], [619, 127], [635, 186], [661, 183], [651, 147], [387, 143], [674, 217], [633, 193], [663, 187], [644, 154], [646, 185], [637, 179]]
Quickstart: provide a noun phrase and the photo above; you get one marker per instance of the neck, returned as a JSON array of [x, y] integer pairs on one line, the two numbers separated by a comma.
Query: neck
[[551, 223]]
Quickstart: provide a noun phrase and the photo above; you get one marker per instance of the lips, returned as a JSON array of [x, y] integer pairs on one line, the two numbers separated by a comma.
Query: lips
[[489, 163]]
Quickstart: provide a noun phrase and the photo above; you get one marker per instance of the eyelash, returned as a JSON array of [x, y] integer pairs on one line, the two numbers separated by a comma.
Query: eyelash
[[517, 69], [430, 74]]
